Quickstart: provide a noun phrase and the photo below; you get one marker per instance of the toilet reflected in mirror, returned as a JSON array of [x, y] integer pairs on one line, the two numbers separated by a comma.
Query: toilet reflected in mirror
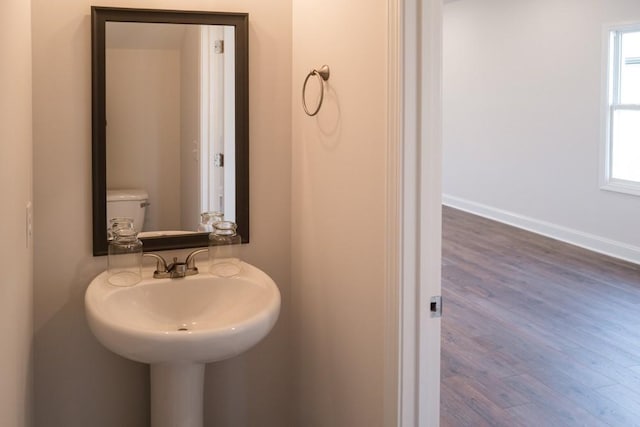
[[131, 203]]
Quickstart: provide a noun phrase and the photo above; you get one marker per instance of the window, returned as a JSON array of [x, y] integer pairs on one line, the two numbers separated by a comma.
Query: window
[[622, 115]]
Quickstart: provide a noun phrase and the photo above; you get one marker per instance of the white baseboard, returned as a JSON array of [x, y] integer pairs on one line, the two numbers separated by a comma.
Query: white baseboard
[[592, 242]]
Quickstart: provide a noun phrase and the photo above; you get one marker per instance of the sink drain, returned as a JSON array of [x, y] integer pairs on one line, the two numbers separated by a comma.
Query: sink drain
[[183, 329]]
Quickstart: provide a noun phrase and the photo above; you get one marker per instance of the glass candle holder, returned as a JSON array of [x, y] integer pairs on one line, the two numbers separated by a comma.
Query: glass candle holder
[[224, 247], [124, 264], [207, 219], [117, 223]]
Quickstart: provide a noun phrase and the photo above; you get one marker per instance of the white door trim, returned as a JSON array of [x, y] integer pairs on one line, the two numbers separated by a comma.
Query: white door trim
[[430, 195], [413, 241]]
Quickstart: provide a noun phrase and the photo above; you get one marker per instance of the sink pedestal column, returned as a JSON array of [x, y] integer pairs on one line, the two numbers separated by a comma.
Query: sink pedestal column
[[176, 394]]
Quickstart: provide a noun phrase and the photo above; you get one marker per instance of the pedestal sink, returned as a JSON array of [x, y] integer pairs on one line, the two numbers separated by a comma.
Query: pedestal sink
[[178, 325]]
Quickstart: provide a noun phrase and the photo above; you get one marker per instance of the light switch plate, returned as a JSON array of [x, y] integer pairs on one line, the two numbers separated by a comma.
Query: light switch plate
[[29, 224]]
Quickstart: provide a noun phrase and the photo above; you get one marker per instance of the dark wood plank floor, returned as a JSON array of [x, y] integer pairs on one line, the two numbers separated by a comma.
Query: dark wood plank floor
[[535, 332]]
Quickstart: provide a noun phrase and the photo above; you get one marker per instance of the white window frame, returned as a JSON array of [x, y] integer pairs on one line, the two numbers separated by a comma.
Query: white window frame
[[610, 91]]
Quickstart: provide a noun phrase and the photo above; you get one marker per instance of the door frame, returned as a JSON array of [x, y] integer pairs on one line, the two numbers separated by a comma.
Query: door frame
[[414, 217]]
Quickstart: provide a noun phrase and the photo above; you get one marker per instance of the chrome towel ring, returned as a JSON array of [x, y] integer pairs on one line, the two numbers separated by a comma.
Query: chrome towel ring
[[323, 76]]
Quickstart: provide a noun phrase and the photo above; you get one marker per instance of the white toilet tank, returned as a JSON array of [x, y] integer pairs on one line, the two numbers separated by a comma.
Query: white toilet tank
[[130, 203]]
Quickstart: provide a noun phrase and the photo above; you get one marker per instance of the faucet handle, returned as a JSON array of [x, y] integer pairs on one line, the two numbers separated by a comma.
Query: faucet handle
[[191, 260], [161, 264]]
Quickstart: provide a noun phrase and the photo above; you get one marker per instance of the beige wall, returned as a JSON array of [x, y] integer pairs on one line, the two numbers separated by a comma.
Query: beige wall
[[16, 168], [78, 382], [317, 208], [338, 214]]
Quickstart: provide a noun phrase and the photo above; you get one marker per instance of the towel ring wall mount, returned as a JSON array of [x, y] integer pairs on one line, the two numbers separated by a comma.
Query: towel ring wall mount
[[323, 75]]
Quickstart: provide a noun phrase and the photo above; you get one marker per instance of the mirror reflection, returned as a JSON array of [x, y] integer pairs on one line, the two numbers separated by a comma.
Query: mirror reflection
[[170, 124]]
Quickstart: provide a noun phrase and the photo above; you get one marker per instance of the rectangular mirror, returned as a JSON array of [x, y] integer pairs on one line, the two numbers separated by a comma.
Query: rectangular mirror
[[170, 123]]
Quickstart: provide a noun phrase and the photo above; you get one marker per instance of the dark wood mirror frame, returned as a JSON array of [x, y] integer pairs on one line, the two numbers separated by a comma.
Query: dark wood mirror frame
[[99, 17]]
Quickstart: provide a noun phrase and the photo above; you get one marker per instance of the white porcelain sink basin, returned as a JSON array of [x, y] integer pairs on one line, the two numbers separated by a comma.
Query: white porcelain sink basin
[[178, 325], [201, 318]]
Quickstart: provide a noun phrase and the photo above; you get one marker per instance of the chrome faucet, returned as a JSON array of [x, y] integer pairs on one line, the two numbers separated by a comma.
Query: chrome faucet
[[176, 269]]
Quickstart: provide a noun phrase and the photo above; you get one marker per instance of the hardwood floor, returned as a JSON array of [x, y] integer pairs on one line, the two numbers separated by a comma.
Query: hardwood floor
[[535, 332]]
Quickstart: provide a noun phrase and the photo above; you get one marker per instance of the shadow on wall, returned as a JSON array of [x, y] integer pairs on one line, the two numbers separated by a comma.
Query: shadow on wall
[[101, 389]]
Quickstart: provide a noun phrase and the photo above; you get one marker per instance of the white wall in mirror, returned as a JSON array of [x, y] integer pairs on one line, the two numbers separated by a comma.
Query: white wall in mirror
[[190, 130], [143, 129]]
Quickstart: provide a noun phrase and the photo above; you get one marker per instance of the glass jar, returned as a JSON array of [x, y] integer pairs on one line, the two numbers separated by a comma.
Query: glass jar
[[118, 223], [224, 247], [207, 219], [124, 264]]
